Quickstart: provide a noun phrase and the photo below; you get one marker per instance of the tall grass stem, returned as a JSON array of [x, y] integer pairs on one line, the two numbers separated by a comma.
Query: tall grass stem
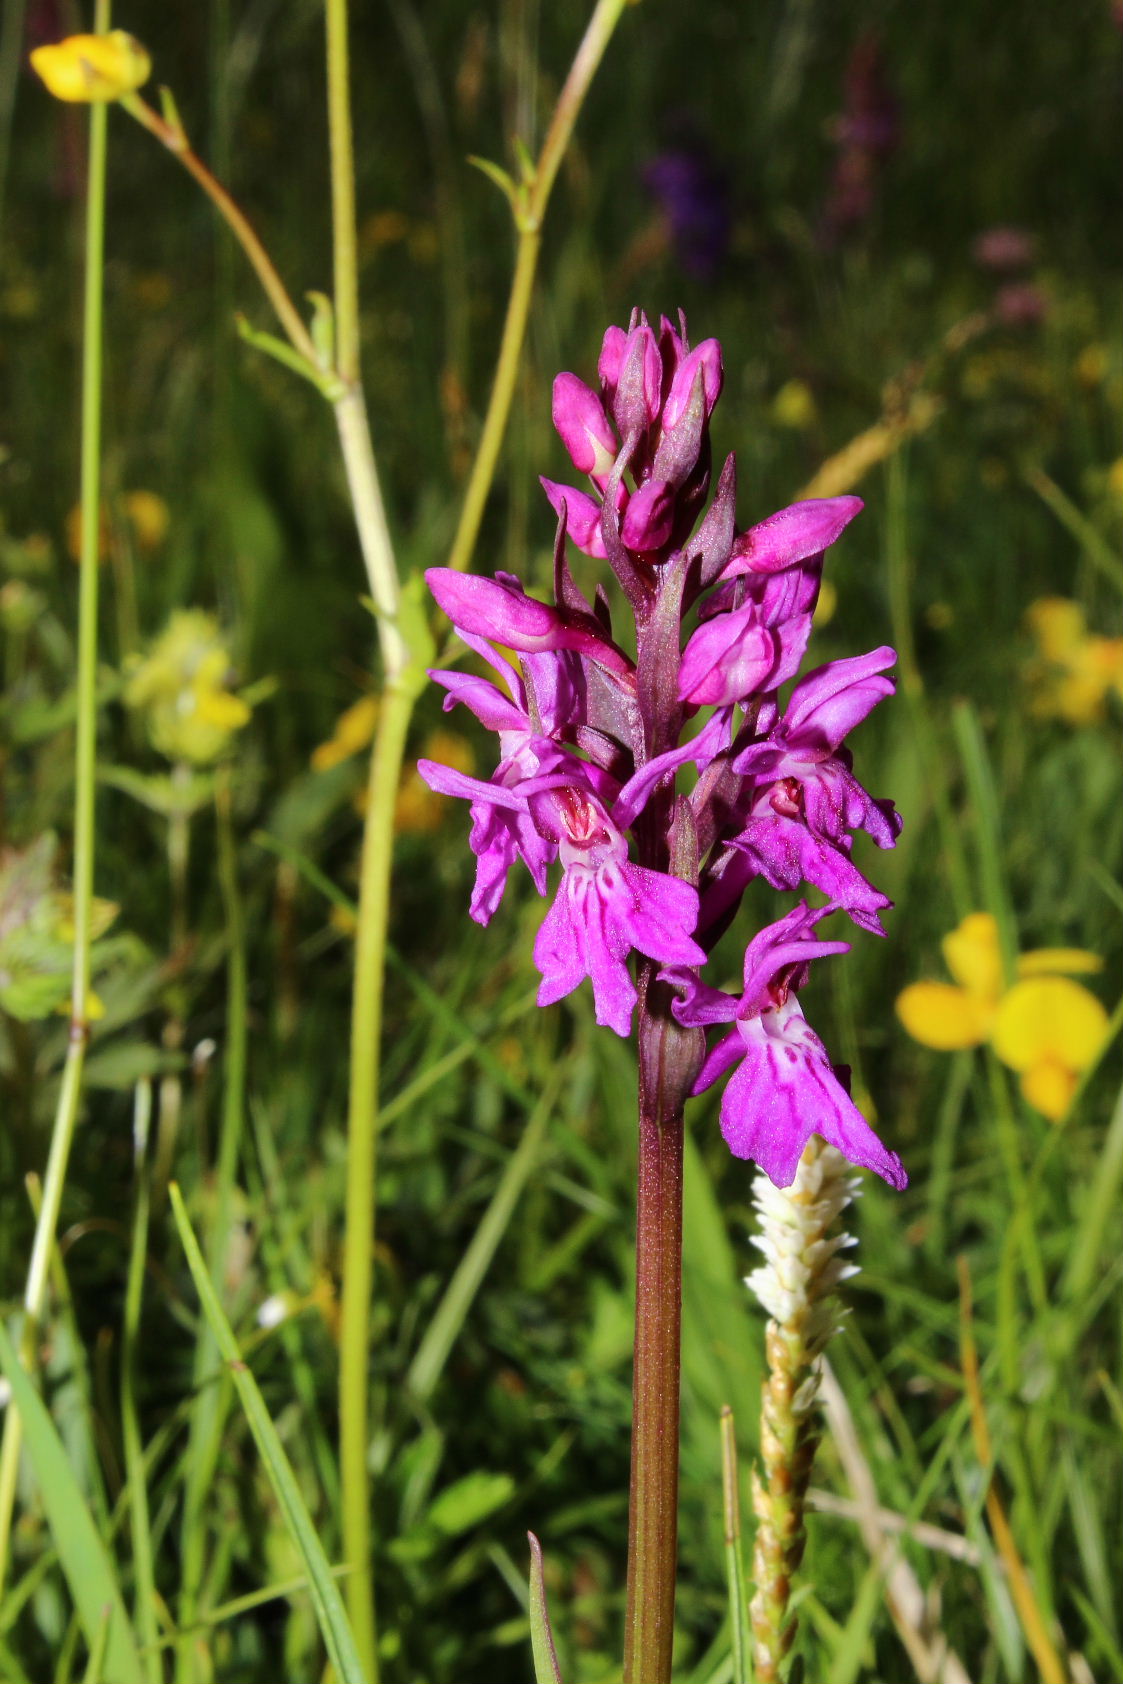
[[530, 211], [85, 768], [362, 1126]]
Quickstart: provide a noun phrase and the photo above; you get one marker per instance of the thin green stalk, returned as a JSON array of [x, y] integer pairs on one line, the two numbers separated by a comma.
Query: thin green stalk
[[529, 205], [85, 759], [135, 1473], [344, 243], [212, 1402], [362, 1127]]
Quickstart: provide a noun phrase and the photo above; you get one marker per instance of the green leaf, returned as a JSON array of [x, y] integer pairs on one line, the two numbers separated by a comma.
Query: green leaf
[[326, 1600], [160, 793], [85, 1561], [546, 1669], [496, 173], [469, 1501]]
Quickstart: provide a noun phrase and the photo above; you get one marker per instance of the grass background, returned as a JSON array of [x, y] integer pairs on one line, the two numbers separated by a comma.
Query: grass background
[[518, 1415]]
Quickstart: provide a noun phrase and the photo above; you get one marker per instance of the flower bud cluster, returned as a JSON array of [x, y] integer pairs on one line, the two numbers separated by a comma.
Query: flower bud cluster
[[591, 738]]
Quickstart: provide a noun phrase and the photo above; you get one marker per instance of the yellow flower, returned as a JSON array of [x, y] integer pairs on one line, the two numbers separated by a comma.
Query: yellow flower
[[354, 729], [794, 406], [85, 68], [1073, 670], [945, 1017], [1045, 1027], [149, 517], [1049, 1029], [182, 688]]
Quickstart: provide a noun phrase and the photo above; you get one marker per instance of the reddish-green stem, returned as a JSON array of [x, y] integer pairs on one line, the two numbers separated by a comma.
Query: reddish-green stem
[[653, 1508]]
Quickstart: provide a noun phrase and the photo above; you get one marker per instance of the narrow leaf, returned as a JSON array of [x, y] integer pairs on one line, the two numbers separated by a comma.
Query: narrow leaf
[[85, 1561], [546, 1669], [326, 1599]]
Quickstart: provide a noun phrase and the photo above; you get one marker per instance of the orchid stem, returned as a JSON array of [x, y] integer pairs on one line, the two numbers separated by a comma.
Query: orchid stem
[[653, 1505], [85, 767]]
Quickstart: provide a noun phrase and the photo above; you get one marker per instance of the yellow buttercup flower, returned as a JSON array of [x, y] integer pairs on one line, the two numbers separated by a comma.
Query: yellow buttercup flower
[[1073, 670], [1045, 1027], [1049, 1029], [87, 68]]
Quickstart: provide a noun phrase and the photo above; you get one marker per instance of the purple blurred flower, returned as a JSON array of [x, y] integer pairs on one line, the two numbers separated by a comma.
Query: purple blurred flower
[[693, 195], [1020, 304], [1004, 248], [865, 133]]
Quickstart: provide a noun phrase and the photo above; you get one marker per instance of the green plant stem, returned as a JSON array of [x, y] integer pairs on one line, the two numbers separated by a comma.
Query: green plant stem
[[85, 759], [344, 243], [212, 1400], [653, 1505], [362, 1125], [135, 1473], [529, 204], [374, 532]]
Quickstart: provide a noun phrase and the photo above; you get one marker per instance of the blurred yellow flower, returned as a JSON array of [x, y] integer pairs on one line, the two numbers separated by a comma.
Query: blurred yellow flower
[[1049, 1029], [182, 689], [1092, 364], [354, 729], [146, 512], [1045, 1027], [794, 406], [149, 517], [86, 68], [1073, 670]]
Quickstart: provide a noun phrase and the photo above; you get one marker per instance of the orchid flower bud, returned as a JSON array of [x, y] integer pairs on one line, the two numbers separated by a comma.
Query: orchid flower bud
[[583, 427]]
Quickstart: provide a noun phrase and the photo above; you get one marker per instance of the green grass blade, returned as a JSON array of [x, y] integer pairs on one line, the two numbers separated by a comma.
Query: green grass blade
[[734, 1560], [95, 1666], [546, 1669], [85, 1561], [325, 1595]]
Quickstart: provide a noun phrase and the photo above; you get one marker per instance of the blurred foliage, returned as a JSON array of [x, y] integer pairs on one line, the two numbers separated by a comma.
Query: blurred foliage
[[839, 166]]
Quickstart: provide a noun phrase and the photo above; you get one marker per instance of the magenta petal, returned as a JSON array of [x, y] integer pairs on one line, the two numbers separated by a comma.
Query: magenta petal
[[705, 359], [791, 535], [727, 659], [785, 1091], [829, 702], [583, 426], [582, 517], [649, 517], [493, 610], [490, 706], [446, 780], [557, 953]]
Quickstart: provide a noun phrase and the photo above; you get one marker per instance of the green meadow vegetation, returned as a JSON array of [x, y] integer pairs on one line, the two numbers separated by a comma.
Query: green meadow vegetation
[[902, 225]]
